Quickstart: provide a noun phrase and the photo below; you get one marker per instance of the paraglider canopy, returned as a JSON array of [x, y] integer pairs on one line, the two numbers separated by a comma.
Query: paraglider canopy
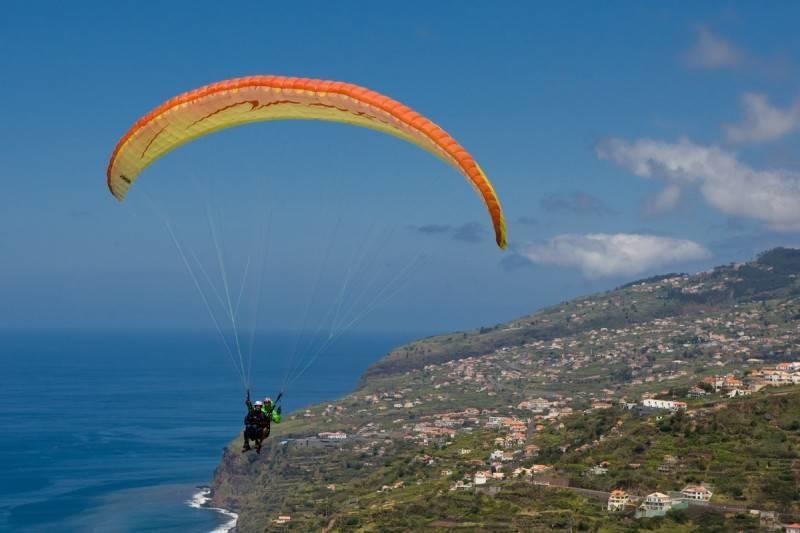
[[259, 98]]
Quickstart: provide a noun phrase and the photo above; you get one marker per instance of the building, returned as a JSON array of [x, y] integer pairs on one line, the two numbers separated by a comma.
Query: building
[[460, 485], [736, 393], [792, 528], [332, 435], [651, 403], [696, 493], [481, 477], [599, 470], [657, 504], [696, 392], [714, 381], [494, 421], [729, 383], [537, 406], [669, 464], [538, 469], [618, 500], [522, 471], [531, 450]]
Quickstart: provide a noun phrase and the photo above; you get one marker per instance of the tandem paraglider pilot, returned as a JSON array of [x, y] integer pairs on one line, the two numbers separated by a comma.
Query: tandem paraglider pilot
[[258, 420]]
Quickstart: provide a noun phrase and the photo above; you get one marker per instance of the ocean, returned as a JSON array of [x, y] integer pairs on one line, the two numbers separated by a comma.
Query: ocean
[[120, 432]]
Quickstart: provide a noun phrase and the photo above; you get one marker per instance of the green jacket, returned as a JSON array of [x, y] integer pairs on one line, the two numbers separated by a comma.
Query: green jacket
[[271, 413]]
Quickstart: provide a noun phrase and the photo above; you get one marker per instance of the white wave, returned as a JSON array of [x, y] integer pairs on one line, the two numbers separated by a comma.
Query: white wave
[[230, 524], [201, 500]]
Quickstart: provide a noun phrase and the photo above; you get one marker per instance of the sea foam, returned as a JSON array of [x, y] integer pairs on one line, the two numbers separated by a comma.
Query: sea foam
[[201, 499]]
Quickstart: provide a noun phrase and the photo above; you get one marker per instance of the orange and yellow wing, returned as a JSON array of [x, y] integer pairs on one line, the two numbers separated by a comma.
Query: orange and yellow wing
[[259, 98]]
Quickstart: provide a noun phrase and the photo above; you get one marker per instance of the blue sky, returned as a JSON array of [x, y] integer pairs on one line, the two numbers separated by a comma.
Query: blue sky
[[623, 142]]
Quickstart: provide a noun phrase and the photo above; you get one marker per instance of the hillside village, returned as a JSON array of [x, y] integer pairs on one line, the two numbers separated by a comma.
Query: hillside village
[[514, 454], [675, 356]]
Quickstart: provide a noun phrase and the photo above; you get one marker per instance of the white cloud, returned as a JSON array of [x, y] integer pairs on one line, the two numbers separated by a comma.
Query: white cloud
[[664, 201], [710, 51], [771, 196], [603, 255], [762, 122]]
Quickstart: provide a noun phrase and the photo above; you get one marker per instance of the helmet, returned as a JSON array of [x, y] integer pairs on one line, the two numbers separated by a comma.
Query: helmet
[[267, 400], [259, 403]]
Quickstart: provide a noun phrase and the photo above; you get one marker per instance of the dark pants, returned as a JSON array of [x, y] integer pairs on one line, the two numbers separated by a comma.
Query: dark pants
[[256, 434], [252, 433]]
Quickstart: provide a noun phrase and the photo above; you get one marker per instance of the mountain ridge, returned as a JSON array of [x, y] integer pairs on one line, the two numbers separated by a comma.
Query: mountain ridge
[[452, 346]]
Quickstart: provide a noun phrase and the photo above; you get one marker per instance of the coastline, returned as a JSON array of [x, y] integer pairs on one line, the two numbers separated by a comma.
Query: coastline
[[202, 499]]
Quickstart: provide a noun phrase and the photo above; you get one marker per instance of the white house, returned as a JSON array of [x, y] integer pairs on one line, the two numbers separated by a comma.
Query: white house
[[670, 405], [777, 377], [460, 484], [537, 406], [618, 500], [494, 421], [696, 493], [520, 471], [655, 504], [696, 392], [657, 501], [539, 469], [598, 470], [481, 477], [332, 435]]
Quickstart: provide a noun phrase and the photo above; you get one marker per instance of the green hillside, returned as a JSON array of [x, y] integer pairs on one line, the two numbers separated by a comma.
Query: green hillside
[[772, 275], [562, 388]]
